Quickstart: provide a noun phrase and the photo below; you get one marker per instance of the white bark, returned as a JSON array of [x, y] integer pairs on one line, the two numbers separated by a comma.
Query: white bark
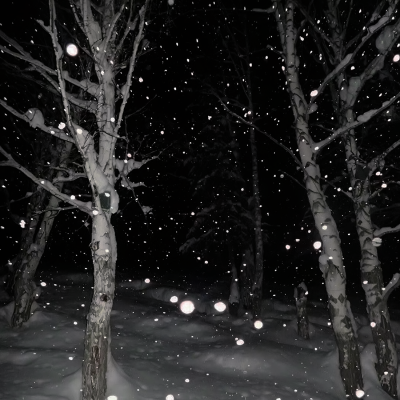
[[106, 47], [331, 259], [359, 174]]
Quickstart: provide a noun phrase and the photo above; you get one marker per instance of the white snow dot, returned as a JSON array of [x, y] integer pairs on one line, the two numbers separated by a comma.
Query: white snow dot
[[365, 282], [187, 380], [70, 358], [72, 50], [173, 299], [75, 323], [314, 93], [52, 132], [72, 197], [317, 245], [240, 342], [170, 396], [79, 131], [384, 185], [324, 227], [316, 148], [147, 280], [22, 223], [112, 119], [373, 324], [396, 58], [61, 125], [187, 307], [385, 373], [112, 397], [258, 324], [140, 79], [43, 284], [95, 212], [287, 247], [220, 306], [171, 3], [360, 393]]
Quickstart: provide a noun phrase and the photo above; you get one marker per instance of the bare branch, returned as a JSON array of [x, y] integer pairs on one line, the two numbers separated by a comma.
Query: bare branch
[[361, 119], [85, 207], [375, 163], [132, 63], [383, 231], [241, 119], [110, 30], [392, 285], [35, 123]]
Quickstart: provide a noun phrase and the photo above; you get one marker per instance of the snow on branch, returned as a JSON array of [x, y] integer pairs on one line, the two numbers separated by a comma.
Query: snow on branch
[[35, 119], [361, 119], [109, 28], [383, 231], [126, 166], [90, 26], [26, 57], [393, 284], [86, 207], [384, 43], [379, 160], [72, 175], [132, 63], [269, 10], [339, 68]]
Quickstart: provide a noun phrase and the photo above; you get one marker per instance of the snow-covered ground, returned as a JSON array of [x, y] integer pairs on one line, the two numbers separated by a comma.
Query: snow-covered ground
[[160, 352]]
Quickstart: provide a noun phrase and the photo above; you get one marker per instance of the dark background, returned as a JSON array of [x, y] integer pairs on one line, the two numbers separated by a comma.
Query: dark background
[[173, 99]]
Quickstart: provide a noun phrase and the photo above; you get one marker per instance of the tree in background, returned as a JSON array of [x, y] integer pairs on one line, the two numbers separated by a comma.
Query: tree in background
[[233, 85]]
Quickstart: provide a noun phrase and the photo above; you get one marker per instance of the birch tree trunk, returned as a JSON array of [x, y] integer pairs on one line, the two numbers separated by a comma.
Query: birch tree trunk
[[111, 43], [360, 172], [40, 228], [331, 259], [24, 285]]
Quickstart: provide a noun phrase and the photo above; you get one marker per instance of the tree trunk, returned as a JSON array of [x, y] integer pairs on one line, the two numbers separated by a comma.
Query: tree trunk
[[371, 271], [300, 294], [257, 282], [40, 226], [97, 338], [24, 286], [246, 278], [331, 258], [372, 279], [234, 293]]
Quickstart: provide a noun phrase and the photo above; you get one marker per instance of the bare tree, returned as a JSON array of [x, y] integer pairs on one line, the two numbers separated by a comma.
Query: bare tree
[[112, 35]]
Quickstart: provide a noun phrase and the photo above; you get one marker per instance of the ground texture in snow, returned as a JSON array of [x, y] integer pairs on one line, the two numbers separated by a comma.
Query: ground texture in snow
[[159, 351]]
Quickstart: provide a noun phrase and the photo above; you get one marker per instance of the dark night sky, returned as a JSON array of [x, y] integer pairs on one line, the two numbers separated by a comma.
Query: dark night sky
[[185, 50]]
